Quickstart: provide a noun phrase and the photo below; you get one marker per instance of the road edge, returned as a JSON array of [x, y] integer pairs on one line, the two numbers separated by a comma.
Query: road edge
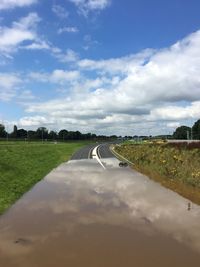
[[120, 157]]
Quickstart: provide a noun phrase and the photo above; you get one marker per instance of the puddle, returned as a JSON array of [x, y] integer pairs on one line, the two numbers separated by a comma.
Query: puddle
[[83, 215]]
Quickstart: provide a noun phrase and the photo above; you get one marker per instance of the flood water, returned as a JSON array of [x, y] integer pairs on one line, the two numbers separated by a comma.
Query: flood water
[[82, 215]]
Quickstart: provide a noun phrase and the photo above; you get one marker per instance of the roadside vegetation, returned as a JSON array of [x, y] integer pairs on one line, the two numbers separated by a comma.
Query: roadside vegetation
[[175, 166], [24, 164]]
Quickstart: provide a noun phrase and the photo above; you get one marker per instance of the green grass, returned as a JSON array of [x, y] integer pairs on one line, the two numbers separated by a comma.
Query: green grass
[[177, 168], [24, 164]]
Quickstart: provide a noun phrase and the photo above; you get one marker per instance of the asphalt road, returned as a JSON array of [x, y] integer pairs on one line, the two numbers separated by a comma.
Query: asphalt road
[[85, 152], [104, 151]]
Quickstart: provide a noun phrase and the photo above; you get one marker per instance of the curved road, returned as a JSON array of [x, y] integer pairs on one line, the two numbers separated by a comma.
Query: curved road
[[85, 152]]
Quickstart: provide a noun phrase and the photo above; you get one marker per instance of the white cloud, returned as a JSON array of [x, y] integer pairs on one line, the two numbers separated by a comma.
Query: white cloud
[[10, 4], [86, 6], [142, 93], [169, 75], [65, 57], [23, 34], [89, 42], [34, 121], [60, 11], [121, 65], [38, 76], [58, 76], [29, 21], [173, 125], [68, 29], [38, 45], [26, 95], [9, 83], [177, 112], [61, 76], [20, 31]]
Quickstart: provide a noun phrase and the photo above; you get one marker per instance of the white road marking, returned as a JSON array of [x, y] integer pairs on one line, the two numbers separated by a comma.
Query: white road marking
[[95, 156], [90, 152], [99, 154]]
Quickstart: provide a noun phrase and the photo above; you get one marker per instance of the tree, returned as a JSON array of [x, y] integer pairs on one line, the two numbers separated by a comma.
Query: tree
[[2, 131], [88, 135], [77, 135], [31, 135], [63, 134], [70, 135], [42, 133], [21, 133], [14, 133], [52, 135], [196, 130], [93, 136], [182, 132]]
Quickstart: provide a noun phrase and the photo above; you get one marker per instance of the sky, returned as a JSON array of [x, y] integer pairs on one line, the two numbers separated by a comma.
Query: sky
[[128, 67]]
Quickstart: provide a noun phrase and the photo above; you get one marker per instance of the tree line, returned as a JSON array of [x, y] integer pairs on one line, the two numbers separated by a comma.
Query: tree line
[[185, 132], [42, 133]]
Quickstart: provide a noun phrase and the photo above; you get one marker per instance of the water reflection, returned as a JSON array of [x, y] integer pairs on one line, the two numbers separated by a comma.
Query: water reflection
[[122, 197], [81, 195]]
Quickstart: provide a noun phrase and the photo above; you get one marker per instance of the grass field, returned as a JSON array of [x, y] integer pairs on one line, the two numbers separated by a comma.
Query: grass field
[[24, 164], [175, 166]]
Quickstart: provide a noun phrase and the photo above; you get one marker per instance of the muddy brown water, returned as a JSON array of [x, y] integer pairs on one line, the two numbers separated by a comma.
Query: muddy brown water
[[83, 215]]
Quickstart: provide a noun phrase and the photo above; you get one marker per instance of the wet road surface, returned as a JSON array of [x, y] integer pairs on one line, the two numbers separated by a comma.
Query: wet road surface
[[83, 214]]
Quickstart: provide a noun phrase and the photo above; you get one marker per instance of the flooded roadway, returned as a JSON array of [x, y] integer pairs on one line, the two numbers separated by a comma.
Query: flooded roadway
[[85, 215]]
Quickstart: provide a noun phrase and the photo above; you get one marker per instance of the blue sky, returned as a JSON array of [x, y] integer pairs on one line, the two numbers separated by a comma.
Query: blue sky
[[105, 66]]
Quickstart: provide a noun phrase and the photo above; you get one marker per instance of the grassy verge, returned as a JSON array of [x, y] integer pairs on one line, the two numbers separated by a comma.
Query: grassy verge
[[24, 164], [176, 167]]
